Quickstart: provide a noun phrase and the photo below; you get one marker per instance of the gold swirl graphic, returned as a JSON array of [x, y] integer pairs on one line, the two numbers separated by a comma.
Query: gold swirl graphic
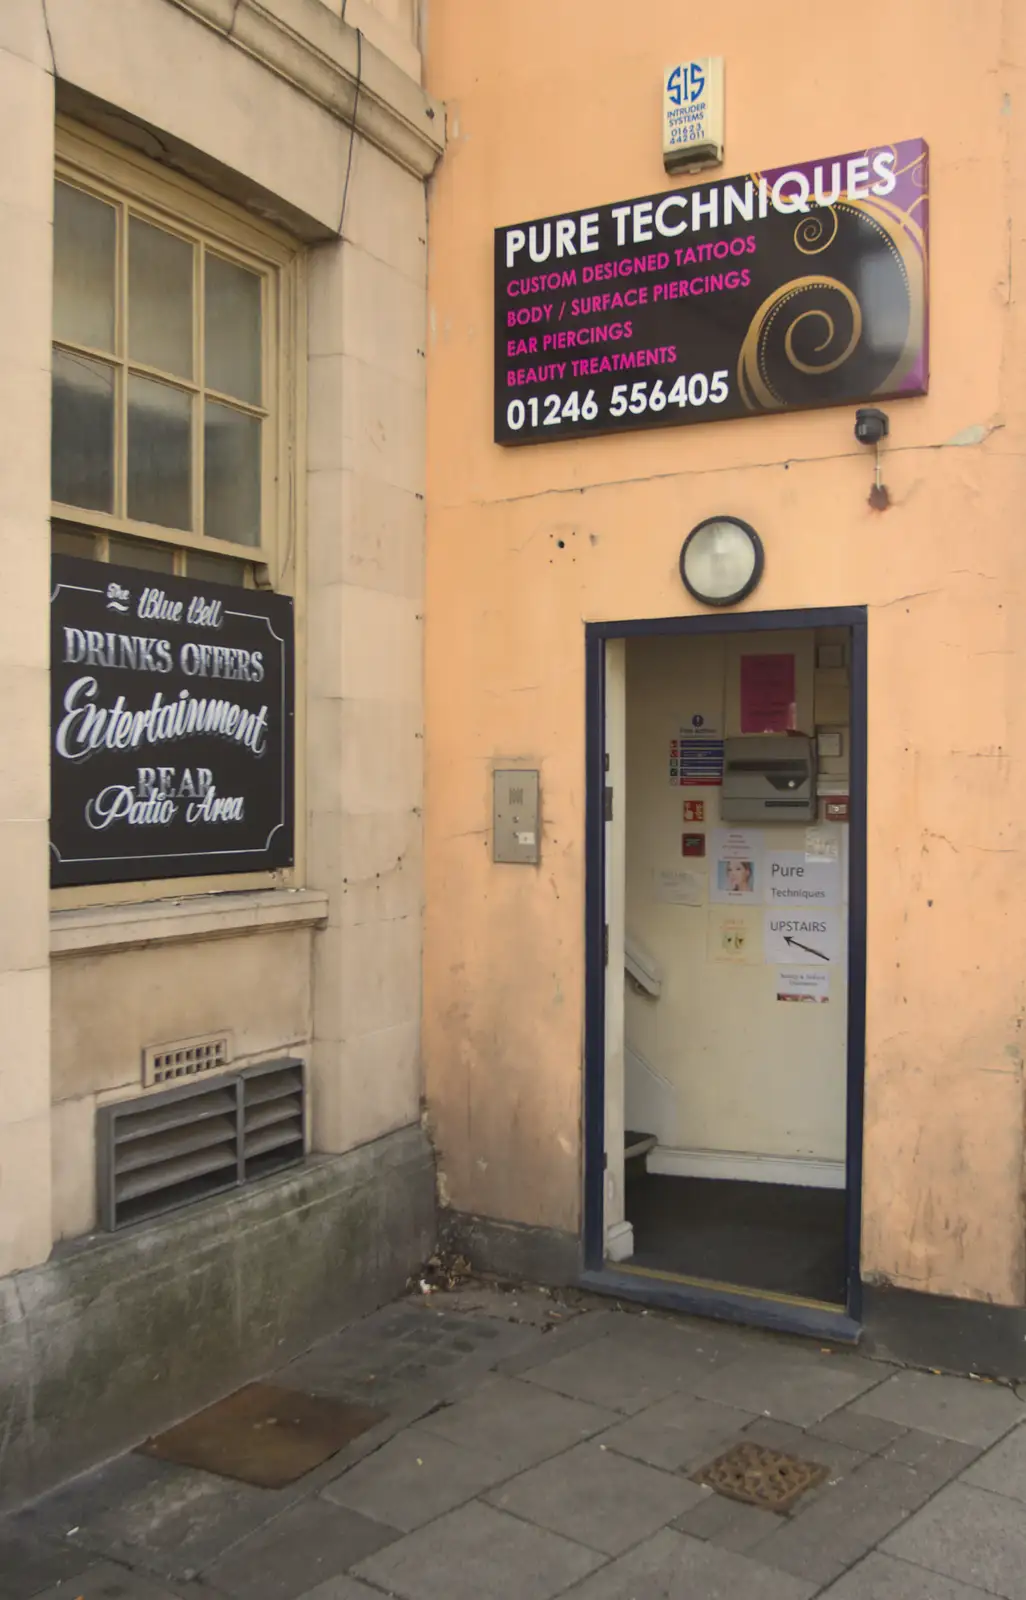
[[808, 235], [752, 369]]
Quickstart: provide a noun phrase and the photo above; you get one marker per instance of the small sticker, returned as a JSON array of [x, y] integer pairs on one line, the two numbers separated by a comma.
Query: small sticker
[[694, 811], [812, 985], [692, 844], [821, 844], [677, 887], [525, 838]]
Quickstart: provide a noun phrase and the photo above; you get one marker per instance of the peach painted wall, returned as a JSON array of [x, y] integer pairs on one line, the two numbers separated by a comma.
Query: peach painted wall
[[553, 105]]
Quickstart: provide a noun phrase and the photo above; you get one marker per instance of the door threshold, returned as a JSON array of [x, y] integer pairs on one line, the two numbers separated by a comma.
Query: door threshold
[[758, 1308]]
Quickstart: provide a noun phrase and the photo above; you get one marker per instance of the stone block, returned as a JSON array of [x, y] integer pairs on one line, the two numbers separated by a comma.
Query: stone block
[[366, 532], [23, 32], [25, 725], [27, 124], [73, 1156], [325, 450], [383, 424], [25, 1031], [25, 1216], [360, 306], [478, 1551], [24, 907], [26, 263], [609, 1373], [366, 1087], [108, 1007], [365, 644], [24, 513], [374, 862], [387, 213], [728, 1523]]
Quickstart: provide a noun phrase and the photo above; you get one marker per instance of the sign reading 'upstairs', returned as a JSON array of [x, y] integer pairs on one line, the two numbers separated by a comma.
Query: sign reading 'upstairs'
[[798, 287]]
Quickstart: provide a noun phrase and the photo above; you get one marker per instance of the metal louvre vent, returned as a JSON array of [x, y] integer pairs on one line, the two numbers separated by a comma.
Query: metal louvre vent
[[166, 1150]]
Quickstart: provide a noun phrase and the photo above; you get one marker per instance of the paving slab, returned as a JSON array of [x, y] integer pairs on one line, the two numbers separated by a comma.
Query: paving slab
[[296, 1552], [937, 1460], [839, 1459], [956, 1408], [1003, 1468], [882, 1577], [478, 1552], [970, 1535], [728, 1523], [871, 1435], [847, 1521], [413, 1478], [617, 1372], [341, 1588], [678, 1433], [790, 1384], [670, 1566], [171, 1520], [106, 1580], [597, 1497], [29, 1566], [518, 1423]]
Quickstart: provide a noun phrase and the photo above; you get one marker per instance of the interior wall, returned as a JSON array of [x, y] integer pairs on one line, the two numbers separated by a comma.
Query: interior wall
[[717, 1062]]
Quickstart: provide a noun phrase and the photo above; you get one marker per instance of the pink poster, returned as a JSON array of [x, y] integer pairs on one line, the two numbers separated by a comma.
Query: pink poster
[[767, 694]]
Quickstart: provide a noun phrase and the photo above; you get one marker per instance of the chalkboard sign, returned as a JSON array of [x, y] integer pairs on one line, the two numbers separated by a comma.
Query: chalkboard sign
[[797, 287], [172, 711]]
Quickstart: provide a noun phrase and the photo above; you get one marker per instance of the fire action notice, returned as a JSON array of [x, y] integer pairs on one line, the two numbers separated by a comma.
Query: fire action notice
[[782, 290], [171, 726]]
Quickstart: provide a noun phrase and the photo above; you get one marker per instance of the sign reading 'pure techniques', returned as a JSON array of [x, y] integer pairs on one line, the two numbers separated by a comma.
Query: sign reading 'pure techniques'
[[797, 287], [171, 726]]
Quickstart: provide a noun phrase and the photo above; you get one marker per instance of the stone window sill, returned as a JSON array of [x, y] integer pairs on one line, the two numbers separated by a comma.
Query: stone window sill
[[101, 929]]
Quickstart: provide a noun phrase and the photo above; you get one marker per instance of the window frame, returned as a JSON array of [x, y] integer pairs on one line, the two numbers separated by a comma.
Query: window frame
[[121, 175]]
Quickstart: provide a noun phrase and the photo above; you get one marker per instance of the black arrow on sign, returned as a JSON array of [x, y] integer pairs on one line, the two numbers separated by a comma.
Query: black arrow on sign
[[798, 945]]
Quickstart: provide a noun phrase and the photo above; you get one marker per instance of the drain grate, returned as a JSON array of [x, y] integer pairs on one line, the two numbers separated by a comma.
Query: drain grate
[[760, 1477]]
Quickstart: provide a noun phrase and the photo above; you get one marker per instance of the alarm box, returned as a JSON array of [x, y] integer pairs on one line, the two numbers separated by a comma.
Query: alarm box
[[768, 777]]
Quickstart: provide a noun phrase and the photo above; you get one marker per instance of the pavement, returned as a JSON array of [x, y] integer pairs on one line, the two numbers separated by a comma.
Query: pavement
[[537, 1445]]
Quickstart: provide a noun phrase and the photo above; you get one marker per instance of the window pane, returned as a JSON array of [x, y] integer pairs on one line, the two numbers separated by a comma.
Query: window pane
[[231, 488], [159, 298], [68, 539], [159, 453], [82, 444], [215, 569], [232, 333], [84, 233], [140, 553]]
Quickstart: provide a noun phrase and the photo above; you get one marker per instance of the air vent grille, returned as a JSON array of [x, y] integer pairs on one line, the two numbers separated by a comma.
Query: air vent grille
[[186, 1058], [166, 1150]]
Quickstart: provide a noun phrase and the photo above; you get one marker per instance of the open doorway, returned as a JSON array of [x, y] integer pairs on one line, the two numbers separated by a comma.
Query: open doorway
[[732, 1004]]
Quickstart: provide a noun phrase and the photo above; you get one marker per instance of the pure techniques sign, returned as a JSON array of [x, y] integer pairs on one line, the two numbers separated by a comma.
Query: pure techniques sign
[[782, 290], [172, 707]]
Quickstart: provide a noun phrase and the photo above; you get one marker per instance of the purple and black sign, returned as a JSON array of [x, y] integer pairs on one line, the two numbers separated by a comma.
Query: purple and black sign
[[782, 290]]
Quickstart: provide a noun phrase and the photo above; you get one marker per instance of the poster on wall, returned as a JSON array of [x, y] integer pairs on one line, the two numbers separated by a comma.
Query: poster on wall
[[774, 291], [734, 936], [696, 753], [768, 694], [793, 879], [813, 985], [735, 867], [172, 707]]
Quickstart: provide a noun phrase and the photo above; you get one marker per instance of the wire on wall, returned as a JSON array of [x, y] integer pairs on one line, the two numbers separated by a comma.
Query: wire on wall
[[352, 130]]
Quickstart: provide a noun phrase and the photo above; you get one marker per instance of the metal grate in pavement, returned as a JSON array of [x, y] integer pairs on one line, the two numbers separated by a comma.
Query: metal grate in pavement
[[758, 1476]]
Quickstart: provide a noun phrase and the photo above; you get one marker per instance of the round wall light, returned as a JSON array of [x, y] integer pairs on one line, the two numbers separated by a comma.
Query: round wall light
[[721, 561]]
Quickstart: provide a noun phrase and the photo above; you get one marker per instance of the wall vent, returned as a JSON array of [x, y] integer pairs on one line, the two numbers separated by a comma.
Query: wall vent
[[186, 1058], [162, 1151]]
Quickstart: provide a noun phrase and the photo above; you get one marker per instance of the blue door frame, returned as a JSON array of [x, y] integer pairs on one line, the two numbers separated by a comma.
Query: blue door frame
[[665, 1289]]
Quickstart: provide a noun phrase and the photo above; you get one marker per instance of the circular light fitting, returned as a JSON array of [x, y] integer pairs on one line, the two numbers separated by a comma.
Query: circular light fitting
[[721, 561]]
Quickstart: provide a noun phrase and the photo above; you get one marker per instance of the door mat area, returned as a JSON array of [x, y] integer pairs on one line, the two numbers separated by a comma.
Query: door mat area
[[263, 1435], [760, 1477]]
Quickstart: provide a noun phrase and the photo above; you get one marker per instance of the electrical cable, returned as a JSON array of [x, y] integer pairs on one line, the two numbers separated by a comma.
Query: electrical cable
[[352, 131]]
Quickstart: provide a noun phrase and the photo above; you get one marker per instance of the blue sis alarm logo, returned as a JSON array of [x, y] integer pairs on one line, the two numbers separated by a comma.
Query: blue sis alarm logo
[[685, 83]]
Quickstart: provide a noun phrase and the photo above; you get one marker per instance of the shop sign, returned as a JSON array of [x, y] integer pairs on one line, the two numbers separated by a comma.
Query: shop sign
[[172, 708], [777, 291]]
